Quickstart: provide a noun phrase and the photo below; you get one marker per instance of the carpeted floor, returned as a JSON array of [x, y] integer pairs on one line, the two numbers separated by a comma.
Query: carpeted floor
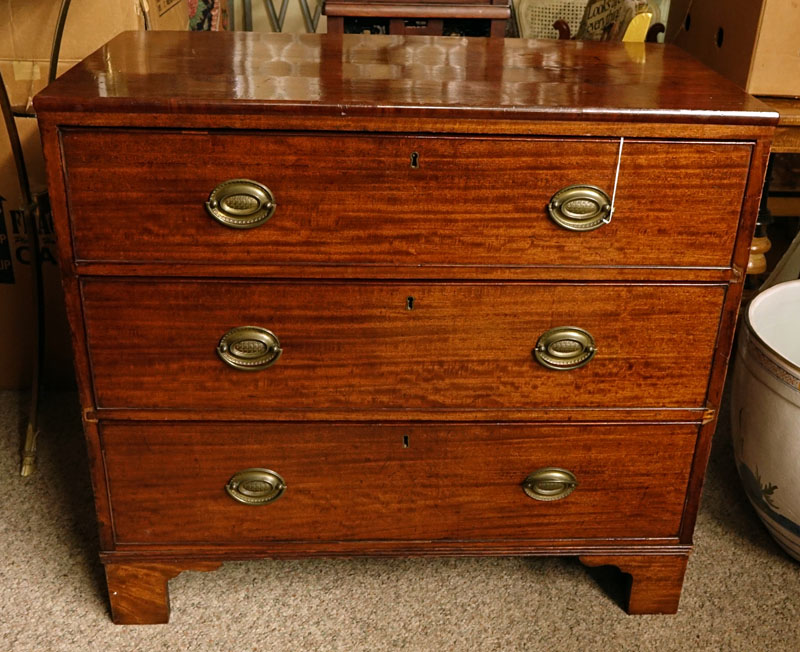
[[741, 592]]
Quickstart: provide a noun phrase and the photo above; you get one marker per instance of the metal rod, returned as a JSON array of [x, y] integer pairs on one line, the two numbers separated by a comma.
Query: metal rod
[[311, 22], [284, 8], [16, 145], [276, 19], [306, 15], [145, 14], [247, 9], [56, 49], [32, 431]]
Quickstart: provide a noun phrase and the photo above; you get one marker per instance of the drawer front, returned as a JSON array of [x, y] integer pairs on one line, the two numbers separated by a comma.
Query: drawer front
[[356, 200], [361, 346], [419, 482]]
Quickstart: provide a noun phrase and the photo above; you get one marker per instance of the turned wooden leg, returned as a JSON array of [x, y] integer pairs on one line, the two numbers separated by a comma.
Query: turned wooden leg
[[657, 579], [757, 264], [138, 592]]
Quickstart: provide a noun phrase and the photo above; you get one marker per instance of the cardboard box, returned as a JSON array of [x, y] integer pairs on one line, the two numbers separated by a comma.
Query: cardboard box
[[26, 34], [752, 42], [16, 280]]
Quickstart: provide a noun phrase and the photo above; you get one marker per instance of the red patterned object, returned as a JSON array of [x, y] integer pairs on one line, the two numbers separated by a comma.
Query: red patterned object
[[208, 15]]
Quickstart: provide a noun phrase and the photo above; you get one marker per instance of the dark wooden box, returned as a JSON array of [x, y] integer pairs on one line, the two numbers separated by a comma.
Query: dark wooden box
[[434, 17]]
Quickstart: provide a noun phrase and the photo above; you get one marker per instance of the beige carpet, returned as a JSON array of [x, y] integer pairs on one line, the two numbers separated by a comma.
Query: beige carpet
[[741, 593]]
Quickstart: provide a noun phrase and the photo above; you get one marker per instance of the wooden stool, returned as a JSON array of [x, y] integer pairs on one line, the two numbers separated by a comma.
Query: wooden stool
[[435, 17]]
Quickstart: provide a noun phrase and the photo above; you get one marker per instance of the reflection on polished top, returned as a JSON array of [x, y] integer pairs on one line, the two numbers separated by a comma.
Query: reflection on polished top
[[350, 74]]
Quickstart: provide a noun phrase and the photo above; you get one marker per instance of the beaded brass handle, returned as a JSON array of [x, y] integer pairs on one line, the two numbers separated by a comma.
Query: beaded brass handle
[[564, 348], [255, 486], [241, 203], [580, 208], [249, 348], [549, 484]]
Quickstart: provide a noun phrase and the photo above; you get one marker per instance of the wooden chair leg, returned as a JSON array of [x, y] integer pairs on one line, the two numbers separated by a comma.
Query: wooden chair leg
[[138, 592], [657, 579]]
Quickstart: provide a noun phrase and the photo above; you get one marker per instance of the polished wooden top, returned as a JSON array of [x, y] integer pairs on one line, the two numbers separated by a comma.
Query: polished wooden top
[[411, 76]]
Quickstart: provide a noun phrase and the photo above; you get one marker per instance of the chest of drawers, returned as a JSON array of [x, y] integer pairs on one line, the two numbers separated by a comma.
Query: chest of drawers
[[366, 295]]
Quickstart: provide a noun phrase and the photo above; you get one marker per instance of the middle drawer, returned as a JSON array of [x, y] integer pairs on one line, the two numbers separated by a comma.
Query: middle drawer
[[367, 346]]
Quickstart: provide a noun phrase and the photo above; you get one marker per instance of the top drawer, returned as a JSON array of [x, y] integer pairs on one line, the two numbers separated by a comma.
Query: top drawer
[[378, 200]]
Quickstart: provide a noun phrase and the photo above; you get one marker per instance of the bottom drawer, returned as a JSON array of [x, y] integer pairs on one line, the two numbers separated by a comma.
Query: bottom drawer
[[347, 482]]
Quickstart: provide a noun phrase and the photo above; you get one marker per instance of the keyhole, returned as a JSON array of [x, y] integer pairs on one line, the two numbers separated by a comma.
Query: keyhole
[[415, 160], [410, 303], [405, 441]]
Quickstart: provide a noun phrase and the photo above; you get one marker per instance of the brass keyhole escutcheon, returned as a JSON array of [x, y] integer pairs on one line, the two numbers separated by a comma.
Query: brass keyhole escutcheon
[[415, 160]]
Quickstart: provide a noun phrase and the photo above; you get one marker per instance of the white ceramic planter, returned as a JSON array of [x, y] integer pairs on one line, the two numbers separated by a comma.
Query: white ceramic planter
[[765, 411]]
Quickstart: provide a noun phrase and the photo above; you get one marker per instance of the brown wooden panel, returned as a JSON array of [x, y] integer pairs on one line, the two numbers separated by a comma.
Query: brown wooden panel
[[347, 482], [356, 200], [138, 593], [566, 273], [356, 346], [656, 583], [464, 10], [399, 123]]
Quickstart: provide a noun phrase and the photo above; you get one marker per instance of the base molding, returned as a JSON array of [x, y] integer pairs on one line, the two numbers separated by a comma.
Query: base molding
[[395, 548], [139, 594]]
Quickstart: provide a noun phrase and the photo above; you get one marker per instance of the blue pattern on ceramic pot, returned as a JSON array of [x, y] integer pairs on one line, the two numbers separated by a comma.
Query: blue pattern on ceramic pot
[[765, 419]]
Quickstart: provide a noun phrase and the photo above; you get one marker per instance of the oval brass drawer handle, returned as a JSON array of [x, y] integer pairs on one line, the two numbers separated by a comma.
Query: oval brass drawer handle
[[241, 203], [256, 486], [564, 348], [549, 483], [249, 348], [580, 208]]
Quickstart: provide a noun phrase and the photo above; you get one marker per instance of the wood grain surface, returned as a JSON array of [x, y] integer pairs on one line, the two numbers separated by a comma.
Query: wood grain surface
[[138, 592], [371, 482], [354, 200], [347, 76], [656, 580], [356, 346]]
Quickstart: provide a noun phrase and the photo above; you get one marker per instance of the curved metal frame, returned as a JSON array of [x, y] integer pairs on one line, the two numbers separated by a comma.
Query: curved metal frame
[[30, 207], [29, 213], [277, 17], [59, 33]]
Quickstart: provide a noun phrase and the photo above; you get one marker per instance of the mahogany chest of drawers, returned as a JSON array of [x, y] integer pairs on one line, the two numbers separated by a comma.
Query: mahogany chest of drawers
[[375, 295]]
